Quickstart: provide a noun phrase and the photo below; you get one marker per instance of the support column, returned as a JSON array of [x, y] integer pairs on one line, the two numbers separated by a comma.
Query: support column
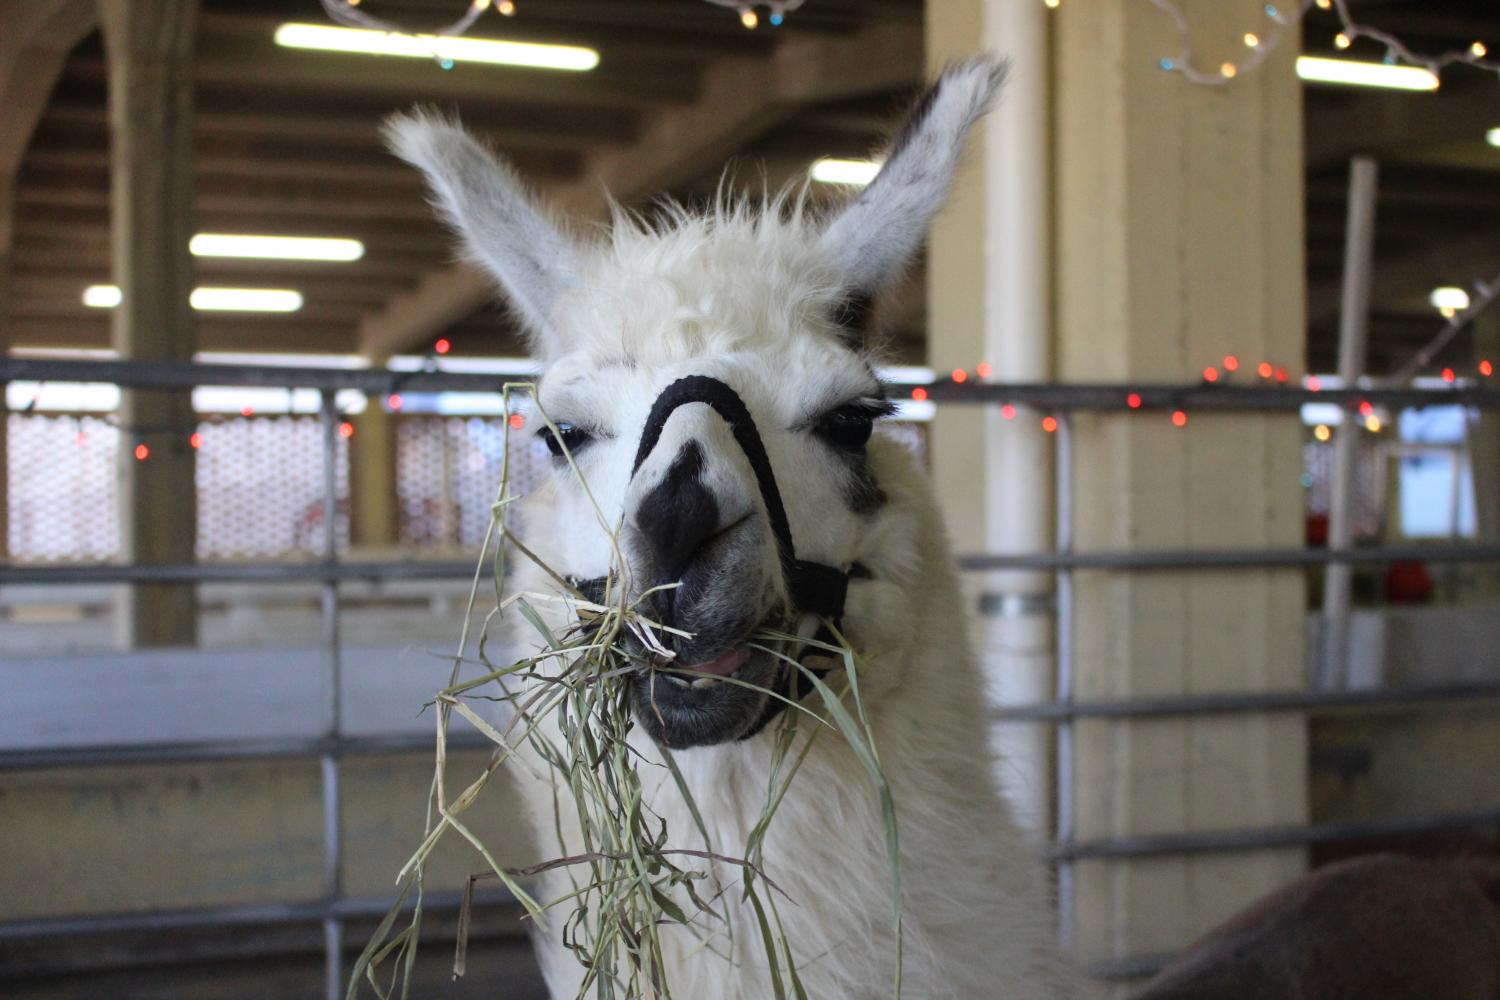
[[149, 45], [1179, 241], [372, 474], [988, 279]]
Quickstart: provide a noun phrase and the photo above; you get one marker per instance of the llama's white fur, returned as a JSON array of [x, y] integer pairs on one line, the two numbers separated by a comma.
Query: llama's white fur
[[746, 296]]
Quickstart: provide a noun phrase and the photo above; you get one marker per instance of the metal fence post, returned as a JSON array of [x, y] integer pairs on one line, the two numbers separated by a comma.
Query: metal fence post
[[1354, 327], [1063, 471], [333, 876]]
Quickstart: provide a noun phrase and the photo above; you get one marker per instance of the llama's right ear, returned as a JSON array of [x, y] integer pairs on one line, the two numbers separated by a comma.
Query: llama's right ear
[[878, 233], [504, 229]]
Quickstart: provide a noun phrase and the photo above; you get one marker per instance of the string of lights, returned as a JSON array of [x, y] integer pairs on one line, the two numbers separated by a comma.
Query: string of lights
[[1229, 371], [1260, 43], [777, 11], [349, 14]]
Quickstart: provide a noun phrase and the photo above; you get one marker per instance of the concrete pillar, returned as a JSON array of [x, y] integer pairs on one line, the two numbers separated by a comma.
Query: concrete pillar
[[372, 474], [988, 301], [1179, 241], [149, 45]]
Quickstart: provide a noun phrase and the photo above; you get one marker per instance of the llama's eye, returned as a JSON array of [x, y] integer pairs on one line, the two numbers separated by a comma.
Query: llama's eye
[[567, 434], [848, 427]]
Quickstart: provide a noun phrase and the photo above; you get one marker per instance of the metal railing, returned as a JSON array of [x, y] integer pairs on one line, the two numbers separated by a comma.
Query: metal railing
[[1061, 400]]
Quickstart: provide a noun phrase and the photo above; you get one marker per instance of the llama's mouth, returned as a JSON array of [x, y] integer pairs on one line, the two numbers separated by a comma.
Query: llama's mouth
[[716, 700], [710, 672]]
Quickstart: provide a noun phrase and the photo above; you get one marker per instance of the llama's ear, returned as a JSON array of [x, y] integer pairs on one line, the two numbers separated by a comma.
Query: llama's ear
[[504, 229], [878, 233]]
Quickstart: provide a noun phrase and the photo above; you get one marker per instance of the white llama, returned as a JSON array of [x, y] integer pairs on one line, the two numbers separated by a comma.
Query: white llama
[[763, 309]]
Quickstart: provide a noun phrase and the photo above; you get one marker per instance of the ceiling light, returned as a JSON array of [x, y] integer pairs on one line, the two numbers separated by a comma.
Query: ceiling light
[[832, 171], [1493, 137], [1449, 300], [101, 296], [276, 247], [278, 300], [1352, 73], [533, 55]]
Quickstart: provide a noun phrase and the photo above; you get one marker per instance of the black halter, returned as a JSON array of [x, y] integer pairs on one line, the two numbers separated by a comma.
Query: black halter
[[813, 588]]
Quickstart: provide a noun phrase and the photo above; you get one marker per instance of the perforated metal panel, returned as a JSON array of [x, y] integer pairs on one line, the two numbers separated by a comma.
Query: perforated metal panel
[[260, 487], [447, 474], [259, 483], [61, 488], [1368, 497]]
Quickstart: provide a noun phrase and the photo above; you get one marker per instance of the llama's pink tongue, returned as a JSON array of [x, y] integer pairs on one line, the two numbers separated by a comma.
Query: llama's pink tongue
[[722, 665]]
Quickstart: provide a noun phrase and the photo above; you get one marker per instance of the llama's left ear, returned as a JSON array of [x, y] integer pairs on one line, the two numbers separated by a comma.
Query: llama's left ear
[[504, 228], [876, 236]]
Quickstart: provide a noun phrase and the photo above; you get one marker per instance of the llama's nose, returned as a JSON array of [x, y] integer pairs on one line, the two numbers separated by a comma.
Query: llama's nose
[[678, 515]]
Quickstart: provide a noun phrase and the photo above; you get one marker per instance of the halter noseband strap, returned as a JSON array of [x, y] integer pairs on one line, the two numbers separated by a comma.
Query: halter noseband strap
[[813, 588]]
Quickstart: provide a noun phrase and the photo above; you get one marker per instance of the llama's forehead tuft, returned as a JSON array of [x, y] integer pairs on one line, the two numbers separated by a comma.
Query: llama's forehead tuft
[[738, 277]]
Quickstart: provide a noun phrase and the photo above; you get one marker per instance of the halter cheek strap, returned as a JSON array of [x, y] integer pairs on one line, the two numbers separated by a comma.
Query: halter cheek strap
[[813, 588]]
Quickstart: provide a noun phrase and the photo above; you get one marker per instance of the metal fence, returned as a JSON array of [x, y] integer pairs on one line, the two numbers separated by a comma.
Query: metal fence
[[1059, 400]]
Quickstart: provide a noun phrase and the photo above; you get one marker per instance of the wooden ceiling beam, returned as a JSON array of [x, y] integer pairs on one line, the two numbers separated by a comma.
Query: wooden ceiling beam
[[620, 83], [337, 121], [1337, 127], [741, 99], [216, 161]]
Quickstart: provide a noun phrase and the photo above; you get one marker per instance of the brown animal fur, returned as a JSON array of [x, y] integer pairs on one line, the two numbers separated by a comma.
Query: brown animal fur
[[1381, 927]]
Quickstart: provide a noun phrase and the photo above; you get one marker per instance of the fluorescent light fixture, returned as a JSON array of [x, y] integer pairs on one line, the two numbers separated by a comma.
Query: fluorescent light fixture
[[1493, 137], [1449, 300], [101, 296], [533, 55], [276, 247], [1352, 73], [856, 172], [276, 300]]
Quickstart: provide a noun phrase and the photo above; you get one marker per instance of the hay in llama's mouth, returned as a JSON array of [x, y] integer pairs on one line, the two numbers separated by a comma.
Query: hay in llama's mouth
[[716, 700]]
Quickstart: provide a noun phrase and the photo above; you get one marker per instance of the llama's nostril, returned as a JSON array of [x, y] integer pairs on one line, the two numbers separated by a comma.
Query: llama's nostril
[[679, 514]]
